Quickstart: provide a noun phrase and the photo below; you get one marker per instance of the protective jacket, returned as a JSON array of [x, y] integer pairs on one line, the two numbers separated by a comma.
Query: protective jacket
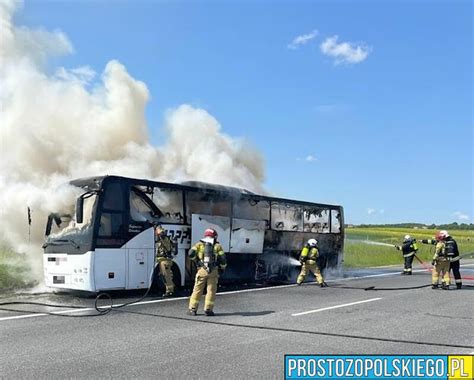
[[309, 255], [408, 248], [165, 248], [440, 252], [208, 256], [451, 249]]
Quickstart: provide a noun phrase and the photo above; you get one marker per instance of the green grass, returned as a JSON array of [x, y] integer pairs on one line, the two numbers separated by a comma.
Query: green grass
[[14, 270], [360, 254]]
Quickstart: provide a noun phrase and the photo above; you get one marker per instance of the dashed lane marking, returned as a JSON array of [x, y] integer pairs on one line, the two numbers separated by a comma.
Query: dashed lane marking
[[335, 307]]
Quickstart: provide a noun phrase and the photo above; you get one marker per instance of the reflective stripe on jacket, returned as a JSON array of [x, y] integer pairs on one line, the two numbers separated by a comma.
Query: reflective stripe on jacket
[[197, 253], [408, 248]]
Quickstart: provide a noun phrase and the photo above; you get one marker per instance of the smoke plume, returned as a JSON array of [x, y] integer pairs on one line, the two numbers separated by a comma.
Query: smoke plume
[[56, 125]]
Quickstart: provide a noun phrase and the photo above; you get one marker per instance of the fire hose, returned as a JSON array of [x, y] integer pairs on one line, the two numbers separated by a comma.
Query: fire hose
[[101, 310]]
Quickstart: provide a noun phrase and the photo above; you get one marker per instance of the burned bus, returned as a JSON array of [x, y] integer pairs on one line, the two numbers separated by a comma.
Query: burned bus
[[108, 241]]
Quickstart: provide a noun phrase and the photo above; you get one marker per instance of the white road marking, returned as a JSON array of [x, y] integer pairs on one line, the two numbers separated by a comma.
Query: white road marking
[[335, 307], [22, 316], [219, 294], [53, 312]]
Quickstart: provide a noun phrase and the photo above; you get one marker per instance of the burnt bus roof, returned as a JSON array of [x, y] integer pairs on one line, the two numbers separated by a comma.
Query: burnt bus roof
[[96, 183]]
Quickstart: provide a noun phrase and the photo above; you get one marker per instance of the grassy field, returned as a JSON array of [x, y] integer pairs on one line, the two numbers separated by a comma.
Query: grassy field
[[14, 270], [360, 252]]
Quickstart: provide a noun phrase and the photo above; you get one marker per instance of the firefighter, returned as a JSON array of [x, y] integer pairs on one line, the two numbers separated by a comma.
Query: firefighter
[[452, 253], [211, 262], [440, 263], [409, 249], [308, 259], [165, 250]]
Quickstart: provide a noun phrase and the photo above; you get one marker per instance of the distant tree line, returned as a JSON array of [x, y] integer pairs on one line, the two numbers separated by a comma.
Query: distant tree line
[[450, 226]]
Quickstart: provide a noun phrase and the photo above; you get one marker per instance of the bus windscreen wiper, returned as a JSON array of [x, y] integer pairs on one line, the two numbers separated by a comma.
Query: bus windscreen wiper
[[62, 242]]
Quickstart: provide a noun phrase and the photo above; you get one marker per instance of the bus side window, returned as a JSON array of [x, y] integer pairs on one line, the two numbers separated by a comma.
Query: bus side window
[[111, 224], [139, 210], [335, 222], [170, 202], [105, 228], [316, 220], [287, 217], [208, 204], [113, 197], [247, 208]]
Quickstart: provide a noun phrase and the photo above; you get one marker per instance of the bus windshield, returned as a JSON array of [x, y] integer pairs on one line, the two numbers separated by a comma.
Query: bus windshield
[[63, 229]]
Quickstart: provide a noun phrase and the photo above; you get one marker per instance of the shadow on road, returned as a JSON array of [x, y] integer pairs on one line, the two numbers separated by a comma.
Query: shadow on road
[[245, 313]]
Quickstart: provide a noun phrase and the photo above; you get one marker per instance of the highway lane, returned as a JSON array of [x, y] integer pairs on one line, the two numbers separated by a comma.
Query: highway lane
[[249, 336]]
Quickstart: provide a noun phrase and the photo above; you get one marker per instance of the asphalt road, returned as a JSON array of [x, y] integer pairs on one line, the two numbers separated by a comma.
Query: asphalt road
[[249, 336]]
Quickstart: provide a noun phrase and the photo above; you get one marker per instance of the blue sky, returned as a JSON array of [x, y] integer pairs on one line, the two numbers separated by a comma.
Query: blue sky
[[386, 131]]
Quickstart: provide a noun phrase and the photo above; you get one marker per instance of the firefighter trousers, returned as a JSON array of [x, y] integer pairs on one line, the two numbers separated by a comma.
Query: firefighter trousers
[[204, 279], [408, 263], [441, 269], [454, 267], [307, 268], [167, 274]]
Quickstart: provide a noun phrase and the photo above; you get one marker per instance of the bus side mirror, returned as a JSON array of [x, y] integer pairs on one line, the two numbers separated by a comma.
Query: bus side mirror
[[79, 210], [48, 225]]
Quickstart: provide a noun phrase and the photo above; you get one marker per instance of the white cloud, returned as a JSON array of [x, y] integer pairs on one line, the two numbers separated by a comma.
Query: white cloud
[[461, 216], [373, 211], [302, 40], [83, 74], [308, 158], [344, 52]]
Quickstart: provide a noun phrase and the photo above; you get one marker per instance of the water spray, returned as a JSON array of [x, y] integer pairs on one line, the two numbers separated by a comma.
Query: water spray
[[377, 243]]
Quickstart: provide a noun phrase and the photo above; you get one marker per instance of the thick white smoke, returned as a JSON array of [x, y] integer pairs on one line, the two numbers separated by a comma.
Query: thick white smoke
[[69, 124]]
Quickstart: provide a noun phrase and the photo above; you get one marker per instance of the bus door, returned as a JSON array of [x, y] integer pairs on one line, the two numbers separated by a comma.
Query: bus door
[[140, 259]]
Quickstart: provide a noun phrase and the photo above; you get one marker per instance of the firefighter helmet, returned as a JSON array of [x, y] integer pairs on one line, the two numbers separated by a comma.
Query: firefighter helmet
[[407, 237], [312, 242], [210, 232], [441, 235]]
